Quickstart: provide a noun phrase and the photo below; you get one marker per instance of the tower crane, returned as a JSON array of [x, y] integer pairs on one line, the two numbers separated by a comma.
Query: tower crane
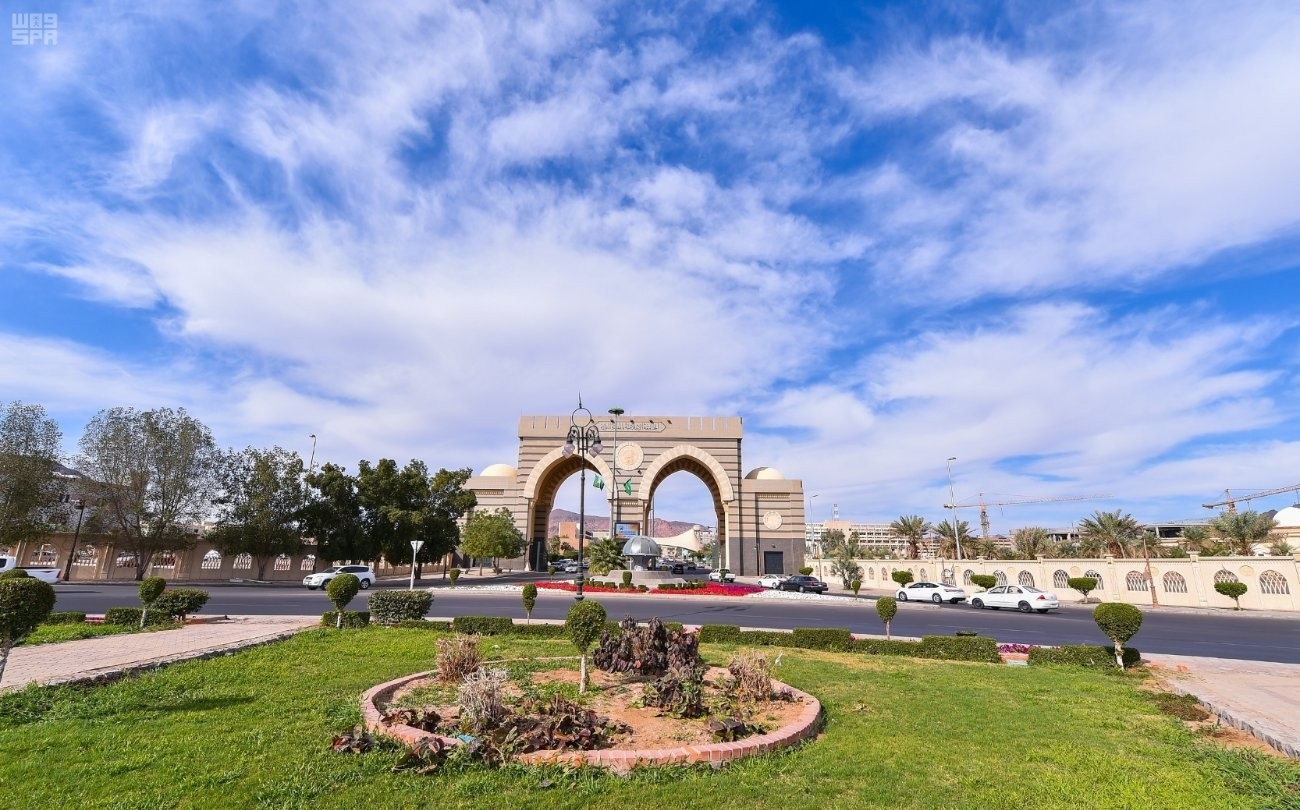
[[984, 512], [1231, 502]]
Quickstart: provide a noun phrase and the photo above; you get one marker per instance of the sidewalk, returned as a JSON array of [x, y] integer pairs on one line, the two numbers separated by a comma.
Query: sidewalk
[[109, 657]]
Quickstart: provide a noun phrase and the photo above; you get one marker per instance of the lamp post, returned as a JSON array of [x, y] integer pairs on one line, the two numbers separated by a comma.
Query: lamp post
[[311, 465], [952, 504], [615, 512], [583, 439], [80, 505]]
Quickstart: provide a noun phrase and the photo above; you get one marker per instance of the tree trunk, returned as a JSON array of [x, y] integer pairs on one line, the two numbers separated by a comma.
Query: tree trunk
[[1119, 655], [261, 567], [582, 675], [887, 631]]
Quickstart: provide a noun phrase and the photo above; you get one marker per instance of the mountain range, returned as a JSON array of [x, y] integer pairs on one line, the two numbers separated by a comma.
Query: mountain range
[[600, 524]]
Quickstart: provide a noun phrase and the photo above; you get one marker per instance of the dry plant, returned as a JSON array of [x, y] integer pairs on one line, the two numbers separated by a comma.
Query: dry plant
[[751, 677], [482, 699], [457, 657]]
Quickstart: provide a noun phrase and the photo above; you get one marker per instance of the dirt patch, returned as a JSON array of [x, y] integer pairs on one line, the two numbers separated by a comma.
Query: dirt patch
[[1197, 718]]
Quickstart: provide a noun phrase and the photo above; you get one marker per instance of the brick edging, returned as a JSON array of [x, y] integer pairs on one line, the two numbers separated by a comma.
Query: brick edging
[[618, 760]]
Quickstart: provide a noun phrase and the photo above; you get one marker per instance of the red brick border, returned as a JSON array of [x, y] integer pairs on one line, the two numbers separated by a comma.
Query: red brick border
[[619, 760]]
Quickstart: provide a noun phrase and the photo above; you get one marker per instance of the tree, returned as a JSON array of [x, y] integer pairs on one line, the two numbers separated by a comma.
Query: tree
[[449, 501], [886, 609], [1195, 539], [844, 553], [912, 529], [584, 624], [1232, 590], [341, 590], [1281, 549], [153, 473], [605, 555], [1243, 530], [29, 452], [24, 603], [1113, 533], [950, 537], [1031, 542], [1084, 585], [395, 505], [333, 517], [150, 589], [260, 508], [902, 577], [1120, 622], [491, 534], [529, 596]]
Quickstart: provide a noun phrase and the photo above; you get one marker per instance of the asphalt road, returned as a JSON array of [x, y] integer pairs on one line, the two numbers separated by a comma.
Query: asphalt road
[[1175, 631]]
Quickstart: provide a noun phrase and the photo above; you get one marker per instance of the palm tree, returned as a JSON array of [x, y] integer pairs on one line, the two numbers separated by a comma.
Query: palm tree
[[1108, 533], [1243, 529], [912, 528], [1281, 549], [1030, 542], [950, 537], [1196, 539]]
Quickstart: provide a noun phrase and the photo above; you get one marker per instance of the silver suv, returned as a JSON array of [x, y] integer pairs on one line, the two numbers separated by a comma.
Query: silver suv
[[322, 578]]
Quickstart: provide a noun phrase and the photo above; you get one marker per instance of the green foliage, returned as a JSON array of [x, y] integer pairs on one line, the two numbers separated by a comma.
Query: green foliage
[[886, 608], [348, 619], [765, 638], [179, 603], [150, 589], [1093, 656], [15, 573], [529, 596], [604, 556], [341, 590], [259, 511], [1120, 622], [1084, 585], [24, 604], [483, 625], [424, 624], [881, 646], [959, 648], [388, 607], [491, 534], [912, 528], [856, 585], [821, 638], [1109, 533], [806, 570], [65, 617], [627, 579], [540, 630], [1232, 590], [584, 623], [453, 575], [901, 577], [334, 516], [29, 450], [130, 617], [984, 581], [1242, 530], [719, 634]]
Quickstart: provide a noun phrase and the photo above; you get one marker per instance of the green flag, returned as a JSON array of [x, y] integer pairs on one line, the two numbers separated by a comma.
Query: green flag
[[627, 486], [598, 482]]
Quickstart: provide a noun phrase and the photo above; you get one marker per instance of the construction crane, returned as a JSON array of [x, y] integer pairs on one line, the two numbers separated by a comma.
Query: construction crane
[[1231, 502], [984, 512]]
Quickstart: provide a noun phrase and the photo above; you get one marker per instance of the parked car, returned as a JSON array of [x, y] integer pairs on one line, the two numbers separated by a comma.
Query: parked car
[[931, 592], [572, 567], [802, 584], [682, 568], [721, 575], [322, 578], [771, 580], [1022, 597], [45, 573]]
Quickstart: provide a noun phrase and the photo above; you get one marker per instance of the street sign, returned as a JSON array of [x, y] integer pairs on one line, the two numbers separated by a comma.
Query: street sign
[[415, 549]]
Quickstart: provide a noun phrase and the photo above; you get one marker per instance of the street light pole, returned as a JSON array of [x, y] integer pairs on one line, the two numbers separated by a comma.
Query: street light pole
[[584, 439], [311, 465], [615, 513], [952, 504], [80, 505]]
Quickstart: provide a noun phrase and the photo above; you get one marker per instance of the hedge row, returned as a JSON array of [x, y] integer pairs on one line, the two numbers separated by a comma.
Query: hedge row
[[130, 617], [1093, 656], [351, 618], [65, 617], [391, 607]]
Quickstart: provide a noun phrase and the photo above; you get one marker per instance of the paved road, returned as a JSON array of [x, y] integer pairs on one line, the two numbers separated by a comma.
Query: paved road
[[1219, 634]]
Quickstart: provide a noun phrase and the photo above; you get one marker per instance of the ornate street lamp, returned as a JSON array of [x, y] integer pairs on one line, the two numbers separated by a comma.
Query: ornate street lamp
[[80, 505], [583, 439]]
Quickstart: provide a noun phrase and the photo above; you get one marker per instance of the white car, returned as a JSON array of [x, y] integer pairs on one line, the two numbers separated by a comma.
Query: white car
[[1021, 597], [931, 592], [722, 575], [771, 580], [322, 578]]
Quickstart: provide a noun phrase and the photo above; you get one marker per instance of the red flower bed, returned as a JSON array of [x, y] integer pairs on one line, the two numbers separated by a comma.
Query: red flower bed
[[712, 589]]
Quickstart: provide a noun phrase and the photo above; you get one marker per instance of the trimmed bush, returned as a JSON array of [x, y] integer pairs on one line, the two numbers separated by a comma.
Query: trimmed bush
[[453, 575], [1092, 656], [806, 570], [583, 625], [540, 630], [627, 579], [901, 577], [393, 607], [959, 648], [1120, 622], [837, 639], [719, 634], [1232, 590], [65, 617], [341, 590], [150, 589], [422, 624], [856, 585], [886, 609], [984, 581], [881, 646], [529, 597], [1084, 585], [350, 619], [766, 638], [130, 617], [177, 603], [24, 604], [15, 573], [483, 625]]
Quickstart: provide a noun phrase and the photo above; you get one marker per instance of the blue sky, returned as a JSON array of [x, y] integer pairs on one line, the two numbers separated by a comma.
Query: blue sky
[[1058, 241]]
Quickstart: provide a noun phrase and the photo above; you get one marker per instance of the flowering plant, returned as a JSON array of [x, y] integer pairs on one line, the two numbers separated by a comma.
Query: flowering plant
[[1015, 648]]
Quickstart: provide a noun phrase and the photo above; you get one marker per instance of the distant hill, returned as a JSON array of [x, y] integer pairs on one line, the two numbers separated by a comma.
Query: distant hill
[[600, 524]]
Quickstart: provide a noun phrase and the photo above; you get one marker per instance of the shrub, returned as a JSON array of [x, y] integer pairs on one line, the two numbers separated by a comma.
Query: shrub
[[24, 604], [483, 625], [341, 590], [766, 638], [453, 575], [529, 596], [65, 617], [719, 634], [584, 624], [647, 650], [392, 607], [856, 585], [423, 624], [627, 579], [806, 570], [456, 657], [177, 603], [1120, 622], [15, 573], [1093, 656], [351, 619], [150, 589], [751, 676], [1084, 585], [880, 646], [983, 581], [1232, 590], [130, 617], [821, 638], [959, 648], [482, 699], [540, 630], [901, 577], [886, 609]]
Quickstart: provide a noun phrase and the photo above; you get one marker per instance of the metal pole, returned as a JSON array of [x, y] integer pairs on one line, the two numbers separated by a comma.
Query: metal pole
[[582, 516], [415, 550], [952, 504], [616, 513], [1151, 585], [80, 506]]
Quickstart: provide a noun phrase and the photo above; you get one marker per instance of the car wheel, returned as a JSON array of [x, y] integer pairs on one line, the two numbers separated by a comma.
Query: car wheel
[[311, 587], [365, 583], [902, 597], [1025, 608], [937, 599], [978, 604], [802, 589], [1042, 610]]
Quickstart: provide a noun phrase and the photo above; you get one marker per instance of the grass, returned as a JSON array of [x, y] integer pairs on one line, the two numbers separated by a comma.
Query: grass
[[252, 731], [51, 633]]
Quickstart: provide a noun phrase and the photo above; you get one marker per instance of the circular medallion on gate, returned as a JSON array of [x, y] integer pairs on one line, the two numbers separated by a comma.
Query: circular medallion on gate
[[630, 456], [772, 520]]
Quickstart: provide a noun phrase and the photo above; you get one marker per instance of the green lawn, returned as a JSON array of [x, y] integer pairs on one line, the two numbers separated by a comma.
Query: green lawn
[[51, 633], [252, 730]]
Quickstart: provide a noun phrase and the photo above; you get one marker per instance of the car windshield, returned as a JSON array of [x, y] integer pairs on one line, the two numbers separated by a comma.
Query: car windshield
[[333, 570], [1030, 590]]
